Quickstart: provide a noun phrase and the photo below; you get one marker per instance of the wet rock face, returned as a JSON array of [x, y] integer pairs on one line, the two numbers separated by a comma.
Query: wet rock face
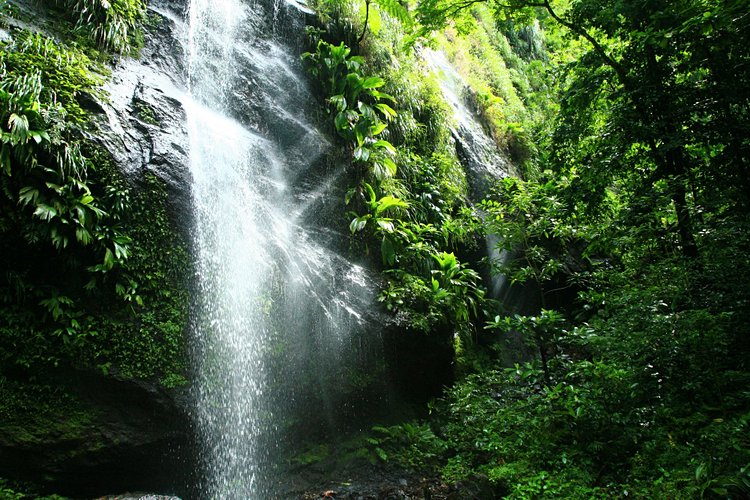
[[387, 483], [142, 122], [139, 496], [476, 148], [110, 435]]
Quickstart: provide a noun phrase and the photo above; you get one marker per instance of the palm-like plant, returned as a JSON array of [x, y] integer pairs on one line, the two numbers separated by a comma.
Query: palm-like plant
[[112, 23], [45, 173]]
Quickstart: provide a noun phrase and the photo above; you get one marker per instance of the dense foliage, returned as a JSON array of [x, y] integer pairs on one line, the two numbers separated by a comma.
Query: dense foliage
[[631, 247], [627, 235], [409, 200], [68, 223], [112, 25], [86, 285]]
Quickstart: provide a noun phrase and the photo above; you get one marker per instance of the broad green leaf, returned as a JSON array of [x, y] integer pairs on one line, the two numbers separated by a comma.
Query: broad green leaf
[[109, 259], [339, 52], [55, 187], [382, 95], [83, 236], [395, 9], [372, 82], [354, 63], [341, 122], [19, 128], [360, 132], [354, 82], [121, 251], [27, 195], [388, 203], [388, 112], [371, 195], [386, 225], [381, 454], [339, 101], [376, 129], [387, 252], [383, 144], [45, 212], [380, 171], [368, 112], [361, 154], [391, 166], [359, 223], [58, 239]]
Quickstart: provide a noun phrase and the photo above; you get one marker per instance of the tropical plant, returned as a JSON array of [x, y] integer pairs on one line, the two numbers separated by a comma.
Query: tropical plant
[[62, 234], [112, 24], [359, 112], [446, 300], [44, 172]]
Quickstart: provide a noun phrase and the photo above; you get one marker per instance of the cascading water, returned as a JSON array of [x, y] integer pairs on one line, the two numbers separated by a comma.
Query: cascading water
[[478, 151], [280, 316], [480, 154], [232, 259], [484, 164]]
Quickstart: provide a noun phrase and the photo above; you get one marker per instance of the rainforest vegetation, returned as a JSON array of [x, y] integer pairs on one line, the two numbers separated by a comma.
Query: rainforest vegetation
[[626, 230], [92, 272], [622, 369]]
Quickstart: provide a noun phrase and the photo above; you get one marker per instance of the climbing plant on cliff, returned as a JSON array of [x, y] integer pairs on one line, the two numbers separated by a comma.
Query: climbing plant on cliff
[[360, 111], [426, 284], [111, 24], [43, 170], [71, 292]]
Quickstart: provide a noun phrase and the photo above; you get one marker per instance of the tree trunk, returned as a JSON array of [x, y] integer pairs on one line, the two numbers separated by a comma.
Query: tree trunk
[[679, 198]]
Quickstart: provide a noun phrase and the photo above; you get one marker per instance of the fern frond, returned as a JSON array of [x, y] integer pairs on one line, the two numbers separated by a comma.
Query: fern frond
[[394, 9]]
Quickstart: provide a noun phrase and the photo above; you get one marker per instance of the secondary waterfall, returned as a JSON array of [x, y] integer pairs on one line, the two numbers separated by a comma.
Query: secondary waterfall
[[280, 317], [478, 151]]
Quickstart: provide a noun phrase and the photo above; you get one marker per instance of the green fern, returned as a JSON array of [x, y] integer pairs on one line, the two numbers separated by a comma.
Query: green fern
[[43, 174], [396, 10], [111, 24]]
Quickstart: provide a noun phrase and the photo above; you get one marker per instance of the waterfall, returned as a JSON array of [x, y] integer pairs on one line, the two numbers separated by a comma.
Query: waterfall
[[280, 317], [232, 220], [478, 151]]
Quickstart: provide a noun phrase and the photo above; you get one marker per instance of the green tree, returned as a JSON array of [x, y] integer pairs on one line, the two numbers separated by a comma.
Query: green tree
[[656, 108]]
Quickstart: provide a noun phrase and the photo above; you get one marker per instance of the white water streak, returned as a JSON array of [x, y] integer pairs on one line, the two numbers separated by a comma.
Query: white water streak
[[267, 291], [234, 181]]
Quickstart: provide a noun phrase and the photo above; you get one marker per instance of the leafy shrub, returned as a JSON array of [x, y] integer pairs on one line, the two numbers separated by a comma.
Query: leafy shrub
[[67, 222], [409, 445], [411, 221], [112, 24], [43, 170]]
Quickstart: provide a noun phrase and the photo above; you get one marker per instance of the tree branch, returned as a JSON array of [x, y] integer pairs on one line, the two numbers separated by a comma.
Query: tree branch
[[621, 73], [367, 17], [455, 8]]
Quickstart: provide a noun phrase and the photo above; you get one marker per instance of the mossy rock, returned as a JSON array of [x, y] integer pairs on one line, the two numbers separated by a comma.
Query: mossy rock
[[67, 425]]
